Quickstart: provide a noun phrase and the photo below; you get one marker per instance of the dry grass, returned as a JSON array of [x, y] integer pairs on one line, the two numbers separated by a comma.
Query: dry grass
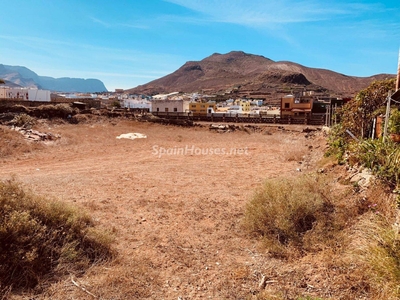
[[295, 215], [376, 244], [178, 219], [42, 240], [14, 144], [352, 249]]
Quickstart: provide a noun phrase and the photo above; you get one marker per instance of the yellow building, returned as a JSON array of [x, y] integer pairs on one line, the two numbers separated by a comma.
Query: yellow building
[[296, 107], [244, 104], [202, 108]]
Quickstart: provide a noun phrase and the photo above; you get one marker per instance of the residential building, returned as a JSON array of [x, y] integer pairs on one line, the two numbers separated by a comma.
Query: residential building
[[136, 104], [245, 105], [169, 106], [292, 106], [202, 108], [27, 94]]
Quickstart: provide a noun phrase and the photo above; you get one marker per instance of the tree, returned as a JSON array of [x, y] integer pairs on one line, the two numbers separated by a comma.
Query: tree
[[358, 114]]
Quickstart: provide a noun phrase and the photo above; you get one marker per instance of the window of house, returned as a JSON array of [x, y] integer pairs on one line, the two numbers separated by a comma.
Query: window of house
[[287, 105], [158, 109], [175, 109], [166, 109]]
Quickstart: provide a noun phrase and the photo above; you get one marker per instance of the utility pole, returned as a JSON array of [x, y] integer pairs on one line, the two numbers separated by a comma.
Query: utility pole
[[398, 74]]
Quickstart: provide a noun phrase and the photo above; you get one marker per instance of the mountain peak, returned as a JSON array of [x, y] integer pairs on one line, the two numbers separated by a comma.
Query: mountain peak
[[25, 77], [233, 55], [249, 74]]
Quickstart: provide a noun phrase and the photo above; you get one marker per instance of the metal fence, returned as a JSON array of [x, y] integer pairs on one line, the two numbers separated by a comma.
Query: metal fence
[[242, 118]]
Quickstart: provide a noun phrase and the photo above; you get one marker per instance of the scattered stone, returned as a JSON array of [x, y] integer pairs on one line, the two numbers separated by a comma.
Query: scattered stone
[[34, 135], [362, 177]]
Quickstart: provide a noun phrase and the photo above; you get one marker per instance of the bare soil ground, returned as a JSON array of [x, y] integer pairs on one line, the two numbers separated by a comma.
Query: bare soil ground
[[177, 217]]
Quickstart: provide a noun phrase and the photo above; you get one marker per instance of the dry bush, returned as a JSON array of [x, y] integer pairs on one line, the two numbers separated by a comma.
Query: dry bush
[[23, 120], [42, 239], [354, 240], [296, 215], [80, 118], [14, 144], [61, 110]]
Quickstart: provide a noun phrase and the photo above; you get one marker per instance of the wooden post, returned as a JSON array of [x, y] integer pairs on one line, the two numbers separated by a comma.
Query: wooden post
[[373, 129], [387, 116]]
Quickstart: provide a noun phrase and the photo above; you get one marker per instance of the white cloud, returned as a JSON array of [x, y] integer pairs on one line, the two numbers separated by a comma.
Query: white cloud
[[261, 13]]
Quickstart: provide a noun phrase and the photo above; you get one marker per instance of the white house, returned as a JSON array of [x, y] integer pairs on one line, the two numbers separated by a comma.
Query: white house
[[135, 103], [169, 106], [235, 109], [27, 94]]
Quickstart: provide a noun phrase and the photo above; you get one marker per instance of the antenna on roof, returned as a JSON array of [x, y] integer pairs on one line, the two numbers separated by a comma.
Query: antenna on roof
[[398, 73]]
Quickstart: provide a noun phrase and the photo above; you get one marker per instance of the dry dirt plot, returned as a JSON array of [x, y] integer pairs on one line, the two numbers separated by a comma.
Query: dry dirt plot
[[176, 216]]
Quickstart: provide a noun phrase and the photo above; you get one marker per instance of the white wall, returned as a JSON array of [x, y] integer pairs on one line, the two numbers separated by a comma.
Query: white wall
[[25, 94], [142, 104], [3, 92], [39, 95], [171, 105]]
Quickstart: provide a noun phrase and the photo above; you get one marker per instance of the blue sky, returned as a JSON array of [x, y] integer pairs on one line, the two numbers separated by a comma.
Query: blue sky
[[128, 43]]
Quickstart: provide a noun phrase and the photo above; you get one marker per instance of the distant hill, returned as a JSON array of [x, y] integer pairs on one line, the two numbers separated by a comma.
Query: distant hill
[[24, 77], [248, 74]]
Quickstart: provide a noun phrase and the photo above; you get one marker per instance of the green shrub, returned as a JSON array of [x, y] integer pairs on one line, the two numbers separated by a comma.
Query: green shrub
[[338, 143], [382, 157], [357, 115], [394, 121], [43, 239]]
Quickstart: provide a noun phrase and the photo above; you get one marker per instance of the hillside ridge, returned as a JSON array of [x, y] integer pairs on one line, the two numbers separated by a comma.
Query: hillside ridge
[[246, 74], [24, 77]]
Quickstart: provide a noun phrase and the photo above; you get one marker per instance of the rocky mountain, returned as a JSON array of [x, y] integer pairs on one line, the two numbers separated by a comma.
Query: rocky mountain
[[25, 77], [247, 74]]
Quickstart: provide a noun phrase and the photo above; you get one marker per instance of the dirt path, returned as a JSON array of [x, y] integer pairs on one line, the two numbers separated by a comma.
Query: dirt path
[[177, 215]]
